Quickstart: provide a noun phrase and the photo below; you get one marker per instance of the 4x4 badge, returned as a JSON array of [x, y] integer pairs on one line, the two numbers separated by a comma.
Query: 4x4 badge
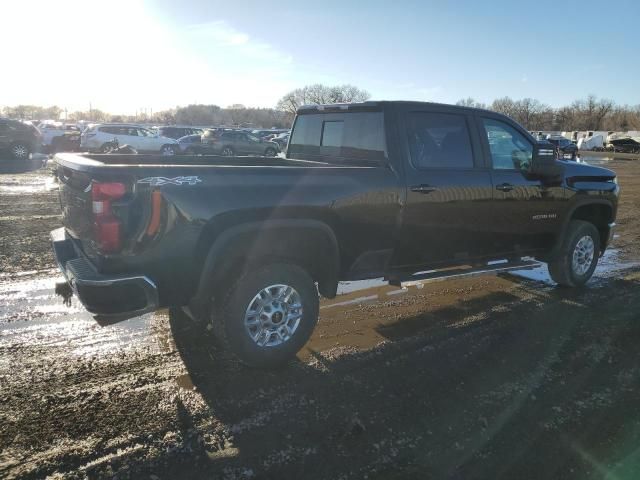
[[159, 181]]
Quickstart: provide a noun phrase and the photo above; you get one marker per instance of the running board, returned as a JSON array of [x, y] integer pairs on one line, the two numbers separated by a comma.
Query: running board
[[433, 276]]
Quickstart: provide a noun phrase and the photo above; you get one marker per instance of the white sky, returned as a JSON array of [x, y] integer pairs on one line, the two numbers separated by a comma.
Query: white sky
[[120, 58]]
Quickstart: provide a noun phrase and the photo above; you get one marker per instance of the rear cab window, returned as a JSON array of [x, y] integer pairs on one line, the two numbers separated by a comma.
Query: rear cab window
[[342, 137]]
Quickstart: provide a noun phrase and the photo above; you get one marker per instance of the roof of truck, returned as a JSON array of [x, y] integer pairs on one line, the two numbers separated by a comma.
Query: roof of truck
[[379, 103]]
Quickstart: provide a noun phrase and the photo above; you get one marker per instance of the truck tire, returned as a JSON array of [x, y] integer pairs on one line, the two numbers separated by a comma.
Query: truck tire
[[578, 256], [267, 315]]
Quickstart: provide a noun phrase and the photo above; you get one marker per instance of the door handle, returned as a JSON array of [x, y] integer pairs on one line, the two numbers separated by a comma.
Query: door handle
[[504, 187], [423, 189]]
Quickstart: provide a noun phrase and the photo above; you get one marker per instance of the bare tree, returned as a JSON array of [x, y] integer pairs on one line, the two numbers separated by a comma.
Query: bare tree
[[321, 94], [470, 102]]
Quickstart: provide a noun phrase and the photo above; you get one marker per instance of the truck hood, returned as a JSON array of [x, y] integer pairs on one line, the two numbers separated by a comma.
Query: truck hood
[[574, 171]]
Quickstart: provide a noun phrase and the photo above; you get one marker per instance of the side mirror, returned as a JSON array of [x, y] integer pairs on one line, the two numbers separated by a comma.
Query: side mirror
[[544, 165]]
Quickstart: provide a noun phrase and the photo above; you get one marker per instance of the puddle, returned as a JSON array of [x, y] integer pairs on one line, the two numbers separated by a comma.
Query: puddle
[[608, 266], [23, 186], [348, 287], [598, 160]]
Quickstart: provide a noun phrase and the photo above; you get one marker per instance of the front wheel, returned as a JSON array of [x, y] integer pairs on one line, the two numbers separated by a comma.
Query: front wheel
[[168, 150], [577, 259], [227, 152], [270, 152], [268, 315]]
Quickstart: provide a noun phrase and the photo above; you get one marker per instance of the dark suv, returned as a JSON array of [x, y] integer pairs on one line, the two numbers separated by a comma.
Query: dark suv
[[178, 132], [19, 139], [236, 142], [565, 148]]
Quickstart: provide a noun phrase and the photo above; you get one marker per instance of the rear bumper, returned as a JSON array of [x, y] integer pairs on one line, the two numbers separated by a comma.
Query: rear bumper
[[110, 297]]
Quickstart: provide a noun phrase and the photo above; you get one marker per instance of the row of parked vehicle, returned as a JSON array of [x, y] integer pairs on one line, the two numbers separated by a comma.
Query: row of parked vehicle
[[21, 139], [569, 143]]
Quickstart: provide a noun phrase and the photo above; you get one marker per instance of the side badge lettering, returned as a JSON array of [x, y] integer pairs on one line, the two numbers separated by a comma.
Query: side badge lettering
[[159, 181], [545, 216]]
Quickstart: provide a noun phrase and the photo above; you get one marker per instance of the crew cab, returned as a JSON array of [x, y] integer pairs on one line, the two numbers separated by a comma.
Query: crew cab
[[374, 189]]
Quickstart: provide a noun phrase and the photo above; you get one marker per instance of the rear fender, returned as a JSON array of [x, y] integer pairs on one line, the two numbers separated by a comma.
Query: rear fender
[[308, 243]]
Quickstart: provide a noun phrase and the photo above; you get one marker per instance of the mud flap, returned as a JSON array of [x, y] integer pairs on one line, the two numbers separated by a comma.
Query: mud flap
[[64, 290]]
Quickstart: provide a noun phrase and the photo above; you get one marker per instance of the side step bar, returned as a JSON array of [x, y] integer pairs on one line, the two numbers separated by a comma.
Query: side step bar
[[437, 275]]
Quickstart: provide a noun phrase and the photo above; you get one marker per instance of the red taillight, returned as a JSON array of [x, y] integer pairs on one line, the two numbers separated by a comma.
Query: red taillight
[[106, 226]]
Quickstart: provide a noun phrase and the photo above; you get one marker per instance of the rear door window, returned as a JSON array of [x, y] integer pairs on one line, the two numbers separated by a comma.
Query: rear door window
[[342, 137], [439, 140]]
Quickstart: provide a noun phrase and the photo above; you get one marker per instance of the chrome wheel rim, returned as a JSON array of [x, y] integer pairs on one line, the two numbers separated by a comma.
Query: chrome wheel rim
[[583, 254], [273, 315], [20, 151], [167, 151], [227, 152]]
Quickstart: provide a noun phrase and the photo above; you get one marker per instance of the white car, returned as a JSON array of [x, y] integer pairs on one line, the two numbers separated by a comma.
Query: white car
[[96, 138]]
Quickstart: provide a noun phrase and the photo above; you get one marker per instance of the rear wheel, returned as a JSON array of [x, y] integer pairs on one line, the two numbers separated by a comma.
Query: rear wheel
[[267, 315], [578, 257], [107, 147], [20, 151]]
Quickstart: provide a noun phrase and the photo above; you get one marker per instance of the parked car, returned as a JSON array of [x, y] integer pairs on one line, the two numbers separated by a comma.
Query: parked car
[[625, 145], [191, 145], [565, 148], [19, 139], [262, 133], [379, 189], [58, 136], [282, 140], [97, 138], [177, 132], [69, 141], [236, 142]]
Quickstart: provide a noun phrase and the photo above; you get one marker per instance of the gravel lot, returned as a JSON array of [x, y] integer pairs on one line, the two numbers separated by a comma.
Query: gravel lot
[[488, 377]]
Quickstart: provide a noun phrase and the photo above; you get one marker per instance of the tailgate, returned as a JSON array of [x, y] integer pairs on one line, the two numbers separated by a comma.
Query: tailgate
[[75, 201]]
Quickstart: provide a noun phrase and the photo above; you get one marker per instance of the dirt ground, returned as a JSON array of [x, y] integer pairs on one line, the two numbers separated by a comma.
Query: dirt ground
[[488, 377]]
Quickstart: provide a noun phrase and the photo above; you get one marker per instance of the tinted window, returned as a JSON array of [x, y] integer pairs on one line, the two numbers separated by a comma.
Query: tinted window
[[332, 134], [339, 136], [438, 140], [508, 147]]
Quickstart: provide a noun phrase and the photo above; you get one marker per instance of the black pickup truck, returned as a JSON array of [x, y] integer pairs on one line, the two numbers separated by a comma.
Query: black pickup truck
[[376, 189]]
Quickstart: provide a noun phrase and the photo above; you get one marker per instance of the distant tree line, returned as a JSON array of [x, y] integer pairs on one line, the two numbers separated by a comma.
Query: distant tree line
[[585, 114], [235, 115]]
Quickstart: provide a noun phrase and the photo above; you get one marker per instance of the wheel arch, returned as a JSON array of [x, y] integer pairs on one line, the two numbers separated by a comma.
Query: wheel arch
[[600, 213], [311, 244]]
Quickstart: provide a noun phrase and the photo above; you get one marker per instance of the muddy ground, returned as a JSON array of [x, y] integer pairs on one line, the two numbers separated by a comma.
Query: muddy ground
[[487, 377]]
